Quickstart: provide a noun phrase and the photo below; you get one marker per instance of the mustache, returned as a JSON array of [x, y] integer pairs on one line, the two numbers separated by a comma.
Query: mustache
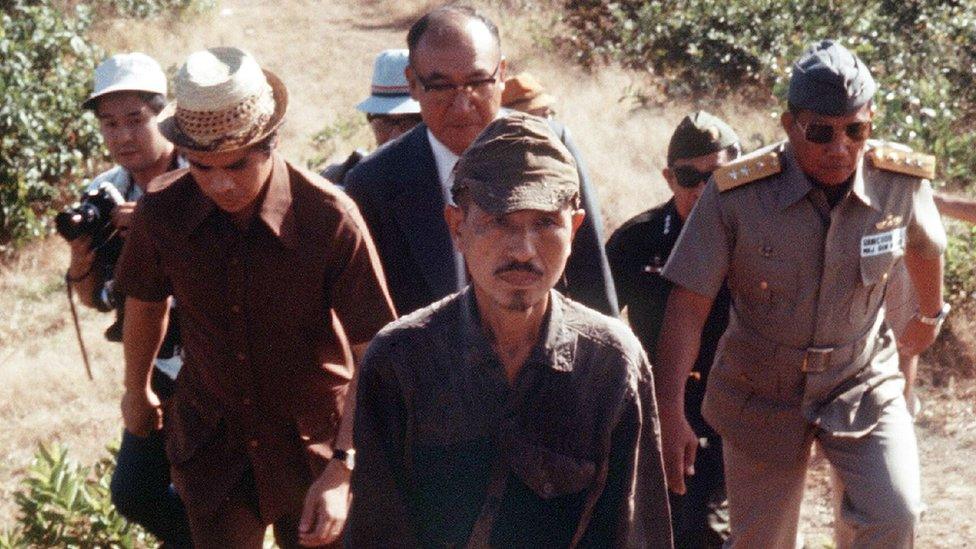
[[519, 266]]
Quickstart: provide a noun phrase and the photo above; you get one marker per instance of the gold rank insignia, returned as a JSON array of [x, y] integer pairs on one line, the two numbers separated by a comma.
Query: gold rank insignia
[[889, 222], [894, 159], [747, 170]]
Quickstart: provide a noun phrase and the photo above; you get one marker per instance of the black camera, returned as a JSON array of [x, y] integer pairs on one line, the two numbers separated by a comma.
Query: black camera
[[92, 215]]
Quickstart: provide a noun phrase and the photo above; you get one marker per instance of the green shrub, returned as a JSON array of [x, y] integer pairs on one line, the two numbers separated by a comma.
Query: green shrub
[[62, 504], [142, 9], [48, 144], [922, 53], [45, 141], [347, 128]]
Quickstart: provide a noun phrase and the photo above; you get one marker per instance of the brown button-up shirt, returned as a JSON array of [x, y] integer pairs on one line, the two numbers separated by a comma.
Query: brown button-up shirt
[[575, 436], [266, 368], [803, 275]]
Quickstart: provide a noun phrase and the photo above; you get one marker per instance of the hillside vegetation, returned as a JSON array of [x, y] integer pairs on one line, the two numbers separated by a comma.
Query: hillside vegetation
[[624, 73]]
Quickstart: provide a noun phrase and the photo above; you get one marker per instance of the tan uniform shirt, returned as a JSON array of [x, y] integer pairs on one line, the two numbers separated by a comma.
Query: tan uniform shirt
[[804, 346]]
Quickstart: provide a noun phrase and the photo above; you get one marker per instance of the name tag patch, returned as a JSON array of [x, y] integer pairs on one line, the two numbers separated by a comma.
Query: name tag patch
[[883, 243]]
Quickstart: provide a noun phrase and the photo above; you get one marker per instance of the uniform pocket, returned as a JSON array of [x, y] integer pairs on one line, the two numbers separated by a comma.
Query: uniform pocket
[[867, 297], [766, 429], [550, 474], [767, 284]]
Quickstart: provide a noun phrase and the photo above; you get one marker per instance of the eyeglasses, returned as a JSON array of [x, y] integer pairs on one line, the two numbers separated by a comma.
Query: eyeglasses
[[689, 177], [822, 134], [445, 90]]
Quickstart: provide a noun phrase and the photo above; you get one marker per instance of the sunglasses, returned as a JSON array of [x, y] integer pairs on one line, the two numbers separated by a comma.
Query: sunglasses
[[689, 177], [822, 134]]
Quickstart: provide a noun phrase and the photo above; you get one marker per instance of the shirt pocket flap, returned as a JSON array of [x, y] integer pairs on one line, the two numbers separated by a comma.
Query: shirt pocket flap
[[855, 411], [551, 474]]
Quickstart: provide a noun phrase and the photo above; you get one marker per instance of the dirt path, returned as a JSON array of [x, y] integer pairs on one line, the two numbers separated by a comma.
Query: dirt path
[[323, 50]]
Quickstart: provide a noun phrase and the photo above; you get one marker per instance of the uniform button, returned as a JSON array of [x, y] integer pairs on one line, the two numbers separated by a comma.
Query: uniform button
[[241, 357], [246, 401], [547, 490], [235, 261], [253, 443], [235, 309], [763, 285]]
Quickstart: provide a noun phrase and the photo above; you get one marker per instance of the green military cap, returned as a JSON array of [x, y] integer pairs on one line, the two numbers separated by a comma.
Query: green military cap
[[699, 134], [830, 80], [517, 163]]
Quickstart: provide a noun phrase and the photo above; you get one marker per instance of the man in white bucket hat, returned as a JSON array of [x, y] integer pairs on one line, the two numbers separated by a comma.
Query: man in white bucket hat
[[278, 284], [389, 108], [129, 92]]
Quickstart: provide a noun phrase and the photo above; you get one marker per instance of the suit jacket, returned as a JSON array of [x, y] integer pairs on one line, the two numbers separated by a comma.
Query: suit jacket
[[399, 194]]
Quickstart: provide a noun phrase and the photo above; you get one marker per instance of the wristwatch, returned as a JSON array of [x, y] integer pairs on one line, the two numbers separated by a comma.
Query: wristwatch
[[346, 457], [936, 320]]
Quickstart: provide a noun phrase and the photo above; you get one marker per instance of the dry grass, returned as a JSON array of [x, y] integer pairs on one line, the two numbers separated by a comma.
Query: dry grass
[[44, 393], [323, 50]]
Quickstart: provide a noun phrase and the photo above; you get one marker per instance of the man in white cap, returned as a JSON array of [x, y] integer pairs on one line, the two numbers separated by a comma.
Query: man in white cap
[[278, 284], [129, 93], [389, 108]]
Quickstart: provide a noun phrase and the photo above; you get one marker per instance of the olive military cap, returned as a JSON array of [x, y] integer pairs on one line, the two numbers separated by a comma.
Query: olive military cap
[[830, 80], [517, 163], [699, 134]]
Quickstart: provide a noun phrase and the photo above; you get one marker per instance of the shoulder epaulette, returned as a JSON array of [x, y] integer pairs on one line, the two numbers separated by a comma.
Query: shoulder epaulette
[[747, 170], [890, 158]]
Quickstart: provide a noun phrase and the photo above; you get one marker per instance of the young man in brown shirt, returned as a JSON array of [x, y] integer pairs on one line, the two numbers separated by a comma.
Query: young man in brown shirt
[[278, 283]]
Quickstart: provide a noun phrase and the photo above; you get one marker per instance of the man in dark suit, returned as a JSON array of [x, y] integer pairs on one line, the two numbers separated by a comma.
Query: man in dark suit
[[456, 72]]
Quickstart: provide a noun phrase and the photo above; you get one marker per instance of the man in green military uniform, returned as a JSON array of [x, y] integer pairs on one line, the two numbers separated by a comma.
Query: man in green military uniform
[[806, 233]]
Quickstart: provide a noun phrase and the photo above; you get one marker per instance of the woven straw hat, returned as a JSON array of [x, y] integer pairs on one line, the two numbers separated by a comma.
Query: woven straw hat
[[224, 102]]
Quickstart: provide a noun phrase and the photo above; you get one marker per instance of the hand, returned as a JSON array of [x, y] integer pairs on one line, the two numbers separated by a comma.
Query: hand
[[82, 257], [916, 337], [141, 412], [326, 506], [680, 445], [122, 215]]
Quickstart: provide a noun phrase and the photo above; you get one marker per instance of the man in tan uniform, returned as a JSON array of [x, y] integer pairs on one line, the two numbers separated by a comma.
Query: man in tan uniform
[[806, 232]]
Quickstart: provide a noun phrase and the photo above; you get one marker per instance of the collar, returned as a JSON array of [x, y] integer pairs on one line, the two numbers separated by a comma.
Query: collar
[[555, 347], [275, 210], [671, 222], [863, 190], [445, 160], [798, 185]]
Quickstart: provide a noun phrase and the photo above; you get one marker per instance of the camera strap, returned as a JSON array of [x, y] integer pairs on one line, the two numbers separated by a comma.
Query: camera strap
[[74, 317]]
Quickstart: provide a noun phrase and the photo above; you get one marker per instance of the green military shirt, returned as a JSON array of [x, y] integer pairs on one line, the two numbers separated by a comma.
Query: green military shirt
[[805, 346]]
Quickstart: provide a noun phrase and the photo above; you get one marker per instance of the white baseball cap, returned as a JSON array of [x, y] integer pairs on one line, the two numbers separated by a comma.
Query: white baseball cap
[[390, 91], [127, 72]]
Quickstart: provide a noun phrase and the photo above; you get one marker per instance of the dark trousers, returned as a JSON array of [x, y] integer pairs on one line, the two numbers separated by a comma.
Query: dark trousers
[[237, 523], [700, 517], [141, 487]]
